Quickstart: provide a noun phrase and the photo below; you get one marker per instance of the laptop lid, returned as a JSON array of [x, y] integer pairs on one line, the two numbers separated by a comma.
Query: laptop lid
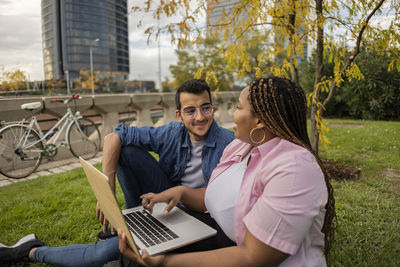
[[106, 198], [188, 228]]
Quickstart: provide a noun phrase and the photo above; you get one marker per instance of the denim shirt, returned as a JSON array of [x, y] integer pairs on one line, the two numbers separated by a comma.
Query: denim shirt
[[172, 143]]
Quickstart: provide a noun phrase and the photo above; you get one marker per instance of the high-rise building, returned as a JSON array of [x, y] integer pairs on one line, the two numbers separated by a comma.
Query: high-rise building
[[79, 33], [226, 6]]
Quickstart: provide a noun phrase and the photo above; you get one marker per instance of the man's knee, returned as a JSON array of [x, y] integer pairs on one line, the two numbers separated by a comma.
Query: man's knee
[[131, 154]]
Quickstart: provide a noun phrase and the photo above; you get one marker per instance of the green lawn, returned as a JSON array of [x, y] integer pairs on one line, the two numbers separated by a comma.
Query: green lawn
[[368, 209], [60, 209]]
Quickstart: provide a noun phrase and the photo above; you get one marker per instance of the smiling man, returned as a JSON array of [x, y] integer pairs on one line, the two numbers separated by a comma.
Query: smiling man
[[188, 150]]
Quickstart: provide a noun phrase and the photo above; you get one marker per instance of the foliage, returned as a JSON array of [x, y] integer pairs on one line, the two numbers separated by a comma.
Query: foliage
[[86, 81], [203, 60], [377, 96], [12, 80], [290, 24], [373, 97], [185, 68], [255, 62], [55, 85], [167, 85], [367, 209]]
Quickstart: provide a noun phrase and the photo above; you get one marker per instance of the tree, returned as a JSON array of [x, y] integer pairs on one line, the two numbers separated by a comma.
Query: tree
[[206, 61], [167, 85], [56, 85], [86, 82], [377, 96], [373, 97], [346, 67], [203, 60], [185, 68], [12, 80], [291, 24]]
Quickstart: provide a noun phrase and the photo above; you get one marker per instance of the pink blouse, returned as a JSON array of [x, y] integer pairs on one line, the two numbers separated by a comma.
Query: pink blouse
[[281, 200]]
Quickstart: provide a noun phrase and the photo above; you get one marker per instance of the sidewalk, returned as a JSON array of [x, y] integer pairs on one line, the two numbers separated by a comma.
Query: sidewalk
[[49, 168]]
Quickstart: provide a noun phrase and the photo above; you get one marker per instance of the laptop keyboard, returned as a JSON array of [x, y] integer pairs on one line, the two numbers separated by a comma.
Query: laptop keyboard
[[148, 229]]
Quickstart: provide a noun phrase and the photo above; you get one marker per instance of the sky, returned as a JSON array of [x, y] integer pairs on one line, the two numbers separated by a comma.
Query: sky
[[21, 43]]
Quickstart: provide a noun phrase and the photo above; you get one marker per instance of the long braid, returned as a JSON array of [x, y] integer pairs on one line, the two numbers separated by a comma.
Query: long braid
[[281, 106]]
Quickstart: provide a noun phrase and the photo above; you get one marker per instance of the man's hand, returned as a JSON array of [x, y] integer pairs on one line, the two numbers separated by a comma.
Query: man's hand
[[171, 196], [145, 260], [100, 216]]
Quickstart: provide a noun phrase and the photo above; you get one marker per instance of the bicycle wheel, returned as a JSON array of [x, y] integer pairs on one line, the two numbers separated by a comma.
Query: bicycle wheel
[[15, 160], [84, 138]]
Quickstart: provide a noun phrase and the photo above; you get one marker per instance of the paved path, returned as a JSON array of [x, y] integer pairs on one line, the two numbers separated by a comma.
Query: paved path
[[49, 168]]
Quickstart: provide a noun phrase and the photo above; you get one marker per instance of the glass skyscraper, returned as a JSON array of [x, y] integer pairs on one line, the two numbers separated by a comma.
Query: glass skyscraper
[[217, 10], [71, 28]]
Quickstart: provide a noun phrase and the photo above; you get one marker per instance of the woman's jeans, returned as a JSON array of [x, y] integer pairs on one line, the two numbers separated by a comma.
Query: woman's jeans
[[80, 255]]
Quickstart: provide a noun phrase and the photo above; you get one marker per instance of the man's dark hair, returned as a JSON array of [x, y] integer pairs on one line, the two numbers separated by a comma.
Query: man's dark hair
[[194, 86]]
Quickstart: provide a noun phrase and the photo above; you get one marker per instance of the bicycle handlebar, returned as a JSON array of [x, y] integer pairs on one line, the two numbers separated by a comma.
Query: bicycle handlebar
[[73, 97], [56, 100]]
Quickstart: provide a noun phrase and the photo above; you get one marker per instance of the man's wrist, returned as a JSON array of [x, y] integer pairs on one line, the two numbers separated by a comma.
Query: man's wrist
[[111, 179]]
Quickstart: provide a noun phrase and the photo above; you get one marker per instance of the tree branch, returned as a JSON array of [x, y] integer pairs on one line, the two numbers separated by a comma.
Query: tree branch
[[350, 60], [346, 25]]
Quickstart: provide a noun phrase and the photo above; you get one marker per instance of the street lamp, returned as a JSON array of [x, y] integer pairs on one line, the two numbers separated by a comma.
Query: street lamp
[[91, 62], [68, 89]]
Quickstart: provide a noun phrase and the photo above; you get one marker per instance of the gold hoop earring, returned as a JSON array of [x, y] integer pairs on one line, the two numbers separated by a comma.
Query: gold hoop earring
[[251, 137]]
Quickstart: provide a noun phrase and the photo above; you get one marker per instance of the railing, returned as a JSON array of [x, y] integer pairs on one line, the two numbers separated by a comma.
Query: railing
[[109, 110]]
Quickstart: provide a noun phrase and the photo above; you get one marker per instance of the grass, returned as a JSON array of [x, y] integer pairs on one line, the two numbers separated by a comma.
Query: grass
[[368, 209], [60, 209]]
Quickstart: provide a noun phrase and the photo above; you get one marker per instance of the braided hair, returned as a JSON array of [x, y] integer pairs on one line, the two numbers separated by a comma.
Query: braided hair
[[281, 106]]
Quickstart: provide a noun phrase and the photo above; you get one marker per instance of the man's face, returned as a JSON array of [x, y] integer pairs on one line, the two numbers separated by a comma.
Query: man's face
[[196, 113]]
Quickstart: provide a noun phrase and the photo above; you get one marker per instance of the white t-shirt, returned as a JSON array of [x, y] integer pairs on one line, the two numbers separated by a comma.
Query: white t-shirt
[[221, 195]]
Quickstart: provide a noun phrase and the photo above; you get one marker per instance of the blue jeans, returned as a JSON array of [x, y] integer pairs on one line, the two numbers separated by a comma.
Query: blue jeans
[[105, 251], [79, 255], [139, 173]]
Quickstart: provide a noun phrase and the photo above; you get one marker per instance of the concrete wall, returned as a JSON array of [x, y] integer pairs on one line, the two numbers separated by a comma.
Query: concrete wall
[[109, 105]]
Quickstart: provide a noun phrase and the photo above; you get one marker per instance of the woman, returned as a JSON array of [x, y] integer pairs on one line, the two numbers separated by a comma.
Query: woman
[[269, 192]]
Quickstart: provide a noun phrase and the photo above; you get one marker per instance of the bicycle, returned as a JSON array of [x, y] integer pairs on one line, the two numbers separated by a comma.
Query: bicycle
[[23, 143]]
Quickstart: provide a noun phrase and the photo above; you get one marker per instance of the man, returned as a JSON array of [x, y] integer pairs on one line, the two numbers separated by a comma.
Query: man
[[188, 152]]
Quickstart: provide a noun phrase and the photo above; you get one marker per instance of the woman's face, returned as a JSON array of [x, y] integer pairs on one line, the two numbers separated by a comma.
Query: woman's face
[[243, 117]]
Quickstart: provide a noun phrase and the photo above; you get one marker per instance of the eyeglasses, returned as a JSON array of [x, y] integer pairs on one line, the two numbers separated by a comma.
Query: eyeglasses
[[190, 112]]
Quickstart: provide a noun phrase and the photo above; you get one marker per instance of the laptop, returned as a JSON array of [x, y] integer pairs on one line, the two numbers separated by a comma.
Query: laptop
[[156, 232]]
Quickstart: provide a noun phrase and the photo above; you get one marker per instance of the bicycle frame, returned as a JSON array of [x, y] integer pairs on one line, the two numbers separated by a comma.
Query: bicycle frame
[[67, 120]]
